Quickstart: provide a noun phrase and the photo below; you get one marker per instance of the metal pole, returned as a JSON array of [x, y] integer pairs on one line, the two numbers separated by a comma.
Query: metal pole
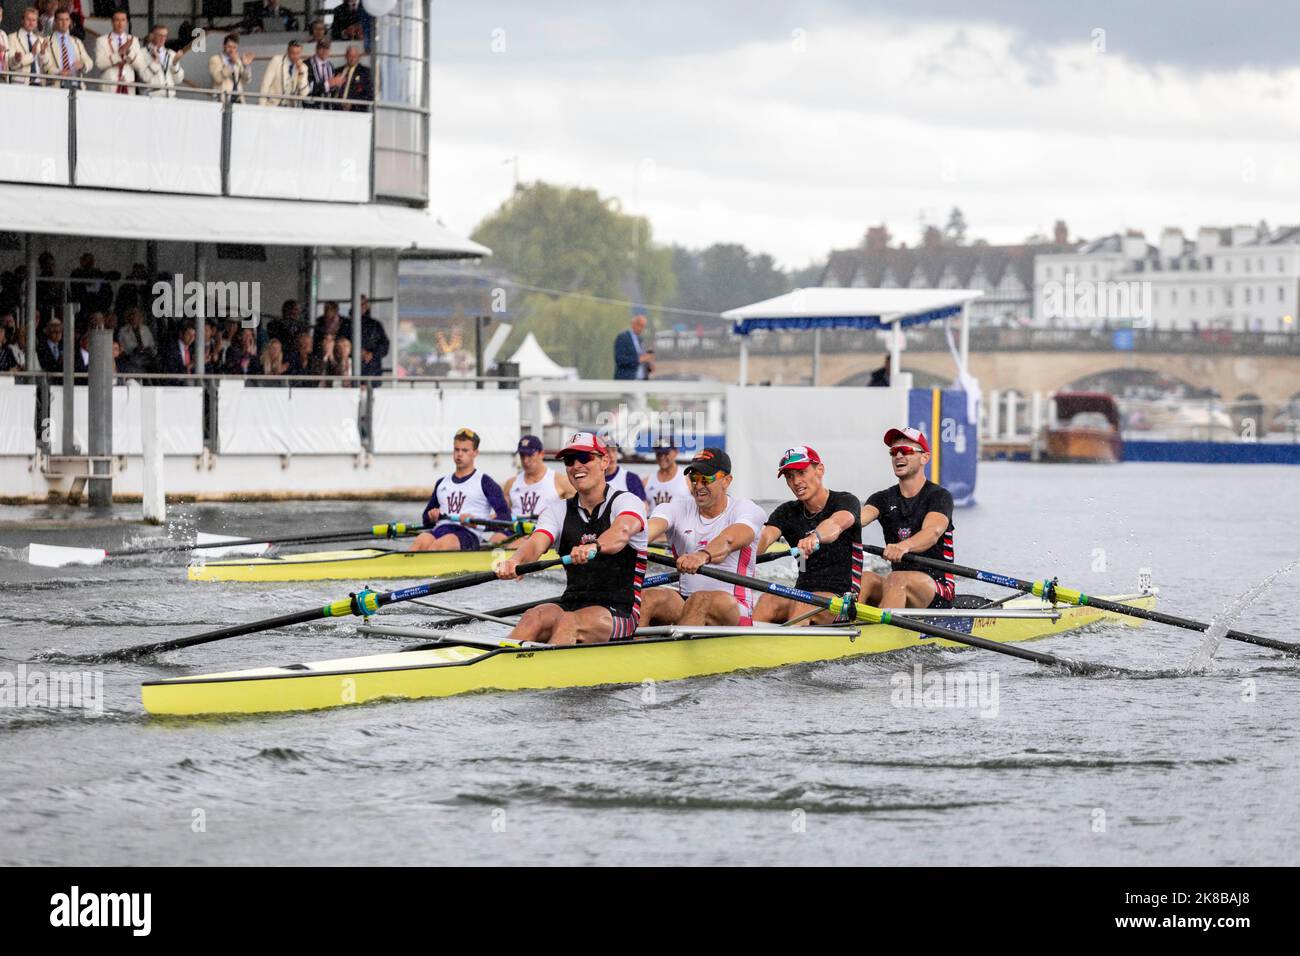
[[99, 397], [70, 346], [201, 320], [392, 316], [817, 355], [371, 285], [29, 305], [478, 349], [744, 360], [313, 273], [965, 342], [356, 312], [895, 347]]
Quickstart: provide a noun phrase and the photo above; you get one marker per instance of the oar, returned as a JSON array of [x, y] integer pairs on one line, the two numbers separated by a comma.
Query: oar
[[653, 581], [1050, 591], [874, 615], [57, 556], [524, 525], [364, 603]]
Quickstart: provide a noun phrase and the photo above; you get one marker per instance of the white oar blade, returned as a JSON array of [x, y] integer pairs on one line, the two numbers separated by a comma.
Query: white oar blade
[[54, 556], [251, 548]]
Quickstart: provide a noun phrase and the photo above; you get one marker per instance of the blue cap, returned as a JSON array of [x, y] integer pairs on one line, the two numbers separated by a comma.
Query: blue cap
[[529, 445]]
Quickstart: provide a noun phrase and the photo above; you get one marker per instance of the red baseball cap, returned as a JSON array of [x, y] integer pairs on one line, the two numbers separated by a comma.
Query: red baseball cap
[[911, 434], [583, 441], [797, 459]]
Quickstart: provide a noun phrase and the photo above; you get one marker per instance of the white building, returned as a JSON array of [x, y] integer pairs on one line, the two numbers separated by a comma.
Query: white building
[[1238, 278]]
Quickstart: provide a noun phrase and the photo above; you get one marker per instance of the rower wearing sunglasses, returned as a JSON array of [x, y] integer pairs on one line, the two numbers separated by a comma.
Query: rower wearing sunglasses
[[916, 518], [602, 601], [710, 527], [465, 493]]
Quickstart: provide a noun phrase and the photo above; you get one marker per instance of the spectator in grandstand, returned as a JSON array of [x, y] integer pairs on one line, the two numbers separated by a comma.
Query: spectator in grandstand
[[322, 357], [321, 72], [162, 66], [229, 70], [92, 296], [8, 60], [298, 361], [66, 56], [241, 356], [27, 47], [351, 22], [137, 338], [45, 22], [272, 361], [288, 325], [49, 294], [119, 58], [178, 358], [317, 31], [285, 74], [342, 365], [330, 322], [9, 362], [134, 292], [49, 346], [373, 337], [354, 82]]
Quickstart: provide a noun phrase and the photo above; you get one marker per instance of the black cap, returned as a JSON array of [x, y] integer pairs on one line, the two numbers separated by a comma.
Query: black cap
[[709, 461]]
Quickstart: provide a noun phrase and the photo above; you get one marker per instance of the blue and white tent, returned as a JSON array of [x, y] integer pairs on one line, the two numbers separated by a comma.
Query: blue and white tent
[[821, 308]]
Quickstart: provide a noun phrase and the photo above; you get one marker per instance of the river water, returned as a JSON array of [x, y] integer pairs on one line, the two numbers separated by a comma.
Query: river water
[[807, 764]]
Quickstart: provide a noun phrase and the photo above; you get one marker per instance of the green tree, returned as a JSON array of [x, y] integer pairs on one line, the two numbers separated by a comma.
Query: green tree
[[574, 241]]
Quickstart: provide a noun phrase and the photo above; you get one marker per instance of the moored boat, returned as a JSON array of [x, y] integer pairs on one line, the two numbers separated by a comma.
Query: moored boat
[[462, 667]]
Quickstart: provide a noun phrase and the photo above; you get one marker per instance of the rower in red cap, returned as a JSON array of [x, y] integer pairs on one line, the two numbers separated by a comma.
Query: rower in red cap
[[916, 518], [821, 523], [602, 601]]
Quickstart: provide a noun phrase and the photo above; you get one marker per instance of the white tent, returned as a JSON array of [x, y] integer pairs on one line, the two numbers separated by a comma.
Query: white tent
[[535, 363]]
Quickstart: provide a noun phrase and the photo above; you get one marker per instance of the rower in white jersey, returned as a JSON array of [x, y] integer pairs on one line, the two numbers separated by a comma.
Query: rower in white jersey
[[465, 493], [618, 477], [668, 483], [710, 527], [536, 487]]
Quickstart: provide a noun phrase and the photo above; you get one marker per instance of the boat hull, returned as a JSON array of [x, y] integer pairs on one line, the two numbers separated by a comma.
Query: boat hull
[[357, 565], [458, 669]]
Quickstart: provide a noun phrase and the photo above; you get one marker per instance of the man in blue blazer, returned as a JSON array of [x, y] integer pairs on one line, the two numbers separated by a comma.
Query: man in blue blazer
[[631, 360]]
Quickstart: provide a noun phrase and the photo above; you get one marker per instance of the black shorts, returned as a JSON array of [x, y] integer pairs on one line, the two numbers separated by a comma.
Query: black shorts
[[944, 591]]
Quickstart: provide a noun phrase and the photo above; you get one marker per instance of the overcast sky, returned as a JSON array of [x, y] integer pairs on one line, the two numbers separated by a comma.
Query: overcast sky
[[792, 127]]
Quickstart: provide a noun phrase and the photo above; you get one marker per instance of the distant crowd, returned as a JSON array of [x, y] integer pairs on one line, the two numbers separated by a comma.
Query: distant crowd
[[49, 48], [144, 344]]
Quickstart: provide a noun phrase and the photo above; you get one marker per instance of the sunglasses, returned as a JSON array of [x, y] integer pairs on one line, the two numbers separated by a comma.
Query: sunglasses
[[576, 457], [696, 478], [904, 450], [465, 434]]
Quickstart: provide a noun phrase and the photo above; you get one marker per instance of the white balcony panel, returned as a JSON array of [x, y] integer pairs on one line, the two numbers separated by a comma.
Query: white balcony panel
[[149, 144], [287, 421], [282, 153], [180, 419], [34, 148]]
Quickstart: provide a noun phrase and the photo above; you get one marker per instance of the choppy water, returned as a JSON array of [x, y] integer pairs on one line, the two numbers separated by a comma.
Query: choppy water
[[802, 765]]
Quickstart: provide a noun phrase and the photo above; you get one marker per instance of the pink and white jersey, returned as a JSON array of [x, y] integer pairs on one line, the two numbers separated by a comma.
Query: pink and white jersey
[[526, 499], [689, 531], [665, 492]]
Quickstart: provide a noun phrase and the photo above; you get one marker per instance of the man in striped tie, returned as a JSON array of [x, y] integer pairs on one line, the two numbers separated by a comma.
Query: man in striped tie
[[118, 57], [66, 56]]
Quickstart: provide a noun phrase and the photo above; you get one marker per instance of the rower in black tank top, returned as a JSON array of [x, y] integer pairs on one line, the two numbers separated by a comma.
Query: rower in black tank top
[[615, 580]]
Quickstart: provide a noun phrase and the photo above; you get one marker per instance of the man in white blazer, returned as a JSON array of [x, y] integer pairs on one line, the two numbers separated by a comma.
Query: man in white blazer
[[229, 70], [162, 67], [286, 73], [27, 50], [66, 56], [117, 57]]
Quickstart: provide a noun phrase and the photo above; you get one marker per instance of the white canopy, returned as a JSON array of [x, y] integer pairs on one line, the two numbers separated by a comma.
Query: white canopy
[[874, 307], [106, 213], [535, 363]]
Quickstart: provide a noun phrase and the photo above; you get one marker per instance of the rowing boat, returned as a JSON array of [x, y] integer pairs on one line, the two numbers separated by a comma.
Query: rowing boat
[[365, 564], [459, 668]]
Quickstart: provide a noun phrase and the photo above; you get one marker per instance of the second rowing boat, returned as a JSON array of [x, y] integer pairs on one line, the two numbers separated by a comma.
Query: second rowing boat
[[367, 564]]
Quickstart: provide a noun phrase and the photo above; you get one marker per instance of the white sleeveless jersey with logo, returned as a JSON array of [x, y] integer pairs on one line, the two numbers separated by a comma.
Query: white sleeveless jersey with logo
[[689, 531], [526, 499], [478, 496], [665, 492]]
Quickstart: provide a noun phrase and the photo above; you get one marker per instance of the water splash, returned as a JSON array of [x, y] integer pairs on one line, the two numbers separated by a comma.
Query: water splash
[[1226, 617]]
